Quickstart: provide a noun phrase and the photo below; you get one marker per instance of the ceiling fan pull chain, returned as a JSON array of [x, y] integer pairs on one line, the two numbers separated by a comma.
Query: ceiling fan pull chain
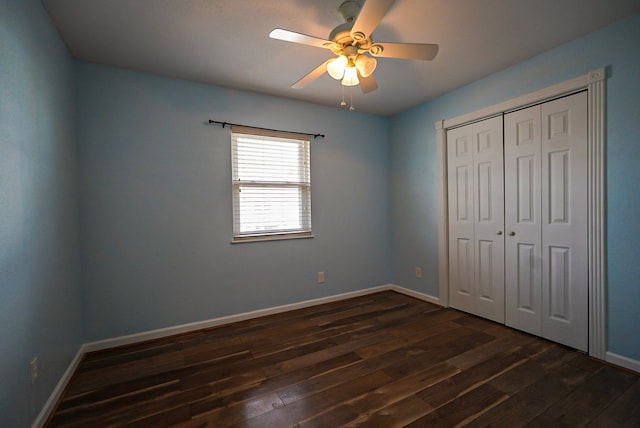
[[351, 107], [343, 103]]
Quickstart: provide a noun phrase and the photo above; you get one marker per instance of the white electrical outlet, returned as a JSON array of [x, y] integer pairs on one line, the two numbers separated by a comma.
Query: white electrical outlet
[[320, 277], [418, 272], [34, 370]]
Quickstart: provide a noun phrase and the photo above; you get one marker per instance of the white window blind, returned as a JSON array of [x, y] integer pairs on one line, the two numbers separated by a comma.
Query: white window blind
[[271, 185]]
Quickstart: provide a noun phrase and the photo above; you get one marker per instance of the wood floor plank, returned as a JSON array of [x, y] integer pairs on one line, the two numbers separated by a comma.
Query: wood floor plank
[[320, 355], [358, 408], [396, 414], [440, 348], [428, 321], [99, 360], [127, 371], [464, 381], [514, 343], [534, 399], [326, 381], [625, 411], [83, 411], [403, 341], [590, 398], [533, 370], [278, 383], [299, 410], [381, 360], [466, 408], [225, 413]]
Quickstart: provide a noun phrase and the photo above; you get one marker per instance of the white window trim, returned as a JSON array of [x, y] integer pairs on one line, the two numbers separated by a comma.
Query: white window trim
[[275, 235]]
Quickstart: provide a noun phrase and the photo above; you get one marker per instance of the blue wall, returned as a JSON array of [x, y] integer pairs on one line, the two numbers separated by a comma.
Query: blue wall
[[154, 197], [156, 203], [414, 165], [40, 295]]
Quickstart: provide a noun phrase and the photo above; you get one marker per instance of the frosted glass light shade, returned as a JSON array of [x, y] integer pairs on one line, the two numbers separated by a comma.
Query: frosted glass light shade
[[350, 76], [366, 65], [336, 67]]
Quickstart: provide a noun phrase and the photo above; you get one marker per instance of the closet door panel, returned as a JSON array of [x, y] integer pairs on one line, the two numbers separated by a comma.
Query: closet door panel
[[489, 217], [461, 219], [523, 243], [526, 290], [564, 220]]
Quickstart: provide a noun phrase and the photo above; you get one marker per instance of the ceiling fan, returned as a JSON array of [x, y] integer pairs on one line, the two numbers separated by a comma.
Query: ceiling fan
[[353, 46]]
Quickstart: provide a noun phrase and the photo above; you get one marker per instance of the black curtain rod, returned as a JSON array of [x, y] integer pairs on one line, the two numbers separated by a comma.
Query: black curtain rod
[[223, 124]]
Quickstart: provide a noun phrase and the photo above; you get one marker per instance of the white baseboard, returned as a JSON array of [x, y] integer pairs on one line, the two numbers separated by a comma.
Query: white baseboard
[[55, 395], [622, 361], [214, 322], [418, 295]]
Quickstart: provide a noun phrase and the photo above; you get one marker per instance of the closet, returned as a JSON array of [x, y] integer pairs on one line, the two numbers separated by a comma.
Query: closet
[[517, 208]]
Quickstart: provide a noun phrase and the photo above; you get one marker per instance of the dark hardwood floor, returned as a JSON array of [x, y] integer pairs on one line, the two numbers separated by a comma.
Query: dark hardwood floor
[[382, 360]]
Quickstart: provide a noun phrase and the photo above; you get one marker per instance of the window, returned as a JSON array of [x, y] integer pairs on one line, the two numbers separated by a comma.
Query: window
[[271, 185]]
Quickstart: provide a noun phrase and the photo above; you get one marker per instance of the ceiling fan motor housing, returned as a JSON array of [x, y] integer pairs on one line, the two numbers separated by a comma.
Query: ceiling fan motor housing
[[349, 10], [341, 35]]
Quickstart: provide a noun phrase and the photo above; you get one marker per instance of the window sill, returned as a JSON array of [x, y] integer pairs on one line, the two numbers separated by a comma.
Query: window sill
[[274, 237]]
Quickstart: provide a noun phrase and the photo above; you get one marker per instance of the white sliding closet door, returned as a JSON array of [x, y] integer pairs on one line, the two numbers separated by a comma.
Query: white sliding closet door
[[546, 220], [476, 218]]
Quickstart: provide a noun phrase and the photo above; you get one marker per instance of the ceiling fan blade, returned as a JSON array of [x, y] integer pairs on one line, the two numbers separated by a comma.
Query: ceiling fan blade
[[312, 75], [303, 39], [369, 17], [420, 51], [367, 84]]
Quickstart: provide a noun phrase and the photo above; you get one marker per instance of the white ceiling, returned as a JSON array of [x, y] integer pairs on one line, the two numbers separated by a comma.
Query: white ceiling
[[226, 43]]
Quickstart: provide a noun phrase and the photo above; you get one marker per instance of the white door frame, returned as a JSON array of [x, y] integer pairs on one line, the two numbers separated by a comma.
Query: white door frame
[[594, 83]]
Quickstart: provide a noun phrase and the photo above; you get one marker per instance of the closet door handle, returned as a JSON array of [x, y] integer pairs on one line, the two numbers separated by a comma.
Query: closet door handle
[[499, 232], [512, 233]]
